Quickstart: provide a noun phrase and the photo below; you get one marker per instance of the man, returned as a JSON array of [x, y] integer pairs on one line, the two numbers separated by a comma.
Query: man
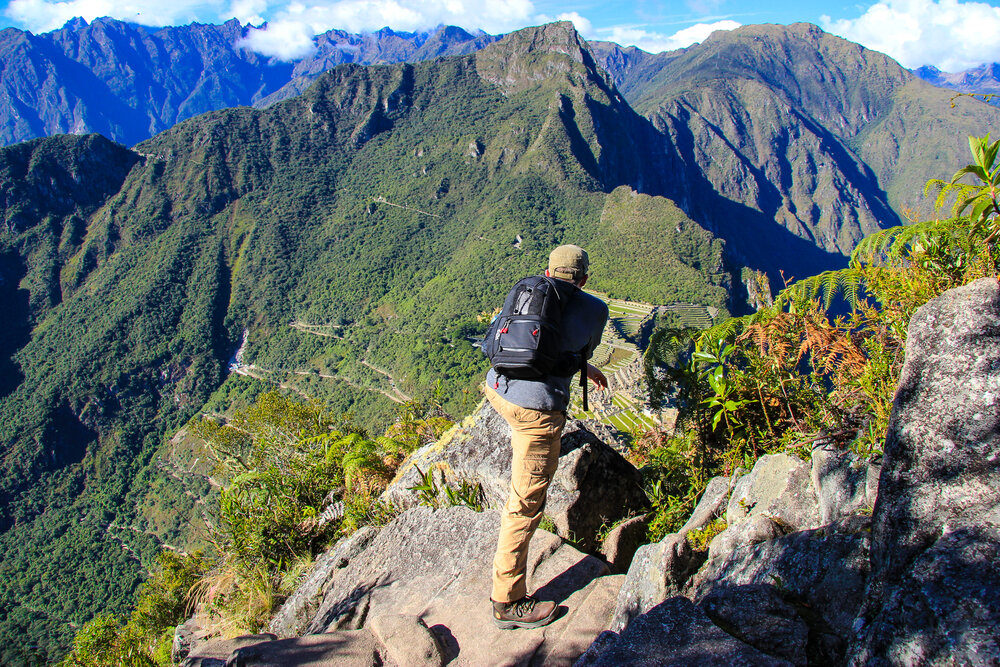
[[536, 412]]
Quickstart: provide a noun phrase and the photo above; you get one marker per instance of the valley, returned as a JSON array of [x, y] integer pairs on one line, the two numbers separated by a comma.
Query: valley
[[345, 237]]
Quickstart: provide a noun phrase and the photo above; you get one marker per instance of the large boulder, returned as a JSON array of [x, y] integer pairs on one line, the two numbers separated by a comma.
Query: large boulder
[[934, 593], [758, 614], [845, 483], [434, 567], [593, 486], [300, 607], [823, 568], [661, 570], [675, 633], [779, 488]]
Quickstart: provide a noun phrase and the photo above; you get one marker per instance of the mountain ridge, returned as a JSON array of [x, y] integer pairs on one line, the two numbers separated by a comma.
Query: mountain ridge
[[394, 203]]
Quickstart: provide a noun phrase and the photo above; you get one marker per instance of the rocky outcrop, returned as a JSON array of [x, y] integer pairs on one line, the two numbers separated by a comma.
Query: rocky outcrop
[[675, 633], [775, 578], [593, 486], [933, 597], [779, 488], [660, 570], [300, 608], [416, 592]]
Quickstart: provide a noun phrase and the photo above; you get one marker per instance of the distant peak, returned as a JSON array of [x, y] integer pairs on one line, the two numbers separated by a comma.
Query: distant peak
[[75, 23]]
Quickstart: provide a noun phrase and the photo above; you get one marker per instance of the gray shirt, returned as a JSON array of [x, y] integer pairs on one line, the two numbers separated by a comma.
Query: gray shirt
[[583, 325]]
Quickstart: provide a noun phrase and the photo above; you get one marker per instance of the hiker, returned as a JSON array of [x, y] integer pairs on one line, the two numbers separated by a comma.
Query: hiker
[[535, 408]]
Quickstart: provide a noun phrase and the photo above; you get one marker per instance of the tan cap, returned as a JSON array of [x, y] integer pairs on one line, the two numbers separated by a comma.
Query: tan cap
[[569, 262]]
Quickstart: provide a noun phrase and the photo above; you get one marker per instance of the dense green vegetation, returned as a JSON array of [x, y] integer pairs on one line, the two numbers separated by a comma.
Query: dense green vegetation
[[795, 373], [281, 463], [354, 233]]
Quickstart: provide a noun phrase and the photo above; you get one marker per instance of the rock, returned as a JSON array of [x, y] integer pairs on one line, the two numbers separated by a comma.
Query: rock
[[840, 479], [216, 652], [436, 565], [184, 640], [823, 569], [623, 540], [661, 570], [407, 641], [675, 633], [594, 485], [658, 571], [779, 487], [712, 503], [293, 616], [342, 649], [757, 615], [757, 528], [934, 596]]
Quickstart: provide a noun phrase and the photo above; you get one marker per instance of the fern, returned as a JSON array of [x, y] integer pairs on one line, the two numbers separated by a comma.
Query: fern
[[823, 287], [893, 246]]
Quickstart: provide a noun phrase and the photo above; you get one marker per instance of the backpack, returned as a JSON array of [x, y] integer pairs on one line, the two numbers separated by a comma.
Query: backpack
[[525, 340]]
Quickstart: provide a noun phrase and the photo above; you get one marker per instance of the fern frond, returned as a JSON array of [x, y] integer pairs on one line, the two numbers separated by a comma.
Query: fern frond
[[823, 287], [729, 328], [891, 246]]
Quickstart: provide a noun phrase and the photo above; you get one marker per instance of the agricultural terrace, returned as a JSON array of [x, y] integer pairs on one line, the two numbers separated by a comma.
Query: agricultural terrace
[[619, 356]]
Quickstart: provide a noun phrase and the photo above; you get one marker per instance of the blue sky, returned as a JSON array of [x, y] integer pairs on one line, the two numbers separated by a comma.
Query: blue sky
[[950, 34]]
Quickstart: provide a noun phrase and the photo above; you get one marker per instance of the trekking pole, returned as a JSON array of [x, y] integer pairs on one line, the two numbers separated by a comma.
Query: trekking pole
[[583, 381]]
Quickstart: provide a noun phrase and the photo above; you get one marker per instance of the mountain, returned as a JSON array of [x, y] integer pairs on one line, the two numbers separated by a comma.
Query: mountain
[[382, 208], [984, 79], [344, 241], [793, 125], [129, 82]]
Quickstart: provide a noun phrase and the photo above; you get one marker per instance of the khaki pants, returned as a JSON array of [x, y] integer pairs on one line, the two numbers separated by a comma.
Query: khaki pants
[[535, 436]]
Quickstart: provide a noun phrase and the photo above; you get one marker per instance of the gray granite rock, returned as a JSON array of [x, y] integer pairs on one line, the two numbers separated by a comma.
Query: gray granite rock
[[756, 528], [659, 571], [216, 652], [712, 503], [357, 648], [758, 615], [406, 641], [675, 633], [294, 615], [622, 541], [824, 568], [780, 488], [437, 565], [934, 593], [593, 486], [840, 479]]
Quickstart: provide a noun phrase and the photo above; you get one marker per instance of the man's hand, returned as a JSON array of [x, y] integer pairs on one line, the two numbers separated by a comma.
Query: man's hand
[[596, 376]]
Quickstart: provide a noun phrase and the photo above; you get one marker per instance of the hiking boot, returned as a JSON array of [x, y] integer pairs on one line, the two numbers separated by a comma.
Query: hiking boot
[[524, 613]]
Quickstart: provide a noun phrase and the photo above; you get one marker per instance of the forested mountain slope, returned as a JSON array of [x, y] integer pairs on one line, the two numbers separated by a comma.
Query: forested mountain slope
[[793, 125], [129, 82], [384, 204], [348, 237]]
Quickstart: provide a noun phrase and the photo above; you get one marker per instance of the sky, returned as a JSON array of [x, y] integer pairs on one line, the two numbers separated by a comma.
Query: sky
[[952, 35]]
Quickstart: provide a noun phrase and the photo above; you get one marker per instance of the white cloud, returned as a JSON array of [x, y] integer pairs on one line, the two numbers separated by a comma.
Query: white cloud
[[582, 25], [949, 34], [654, 42], [495, 16], [289, 34], [286, 40], [248, 11], [44, 15]]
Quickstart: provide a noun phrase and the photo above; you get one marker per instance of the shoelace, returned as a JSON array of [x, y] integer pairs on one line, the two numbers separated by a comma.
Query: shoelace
[[524, 606]]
